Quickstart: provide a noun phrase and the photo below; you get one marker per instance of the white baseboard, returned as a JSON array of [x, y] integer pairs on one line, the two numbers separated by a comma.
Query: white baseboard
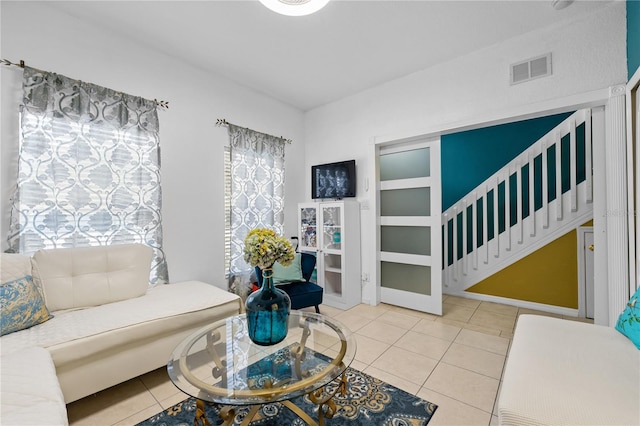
[[559, 310], [552, 309]]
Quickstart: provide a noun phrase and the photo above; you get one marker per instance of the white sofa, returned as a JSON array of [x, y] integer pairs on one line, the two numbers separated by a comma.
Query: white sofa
[[108, 326], [562, 372]]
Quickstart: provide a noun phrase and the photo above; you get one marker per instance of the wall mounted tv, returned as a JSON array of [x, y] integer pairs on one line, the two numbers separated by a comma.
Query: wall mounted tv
[[334, 180]]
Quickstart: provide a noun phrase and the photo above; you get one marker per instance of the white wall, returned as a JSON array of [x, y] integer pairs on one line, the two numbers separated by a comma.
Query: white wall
[[588, 54], [192, 147]]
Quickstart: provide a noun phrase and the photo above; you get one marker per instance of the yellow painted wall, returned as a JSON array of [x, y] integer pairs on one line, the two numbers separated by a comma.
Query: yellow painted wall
[[549, 276]]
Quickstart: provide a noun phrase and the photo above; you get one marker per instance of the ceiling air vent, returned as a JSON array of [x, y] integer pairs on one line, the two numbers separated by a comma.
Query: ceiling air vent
[[530, 69]]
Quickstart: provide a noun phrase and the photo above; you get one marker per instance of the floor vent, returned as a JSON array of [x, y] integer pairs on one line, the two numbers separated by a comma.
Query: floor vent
[[531, 69]]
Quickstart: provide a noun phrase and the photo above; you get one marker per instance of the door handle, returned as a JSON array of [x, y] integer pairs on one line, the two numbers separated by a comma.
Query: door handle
[[591, 247]]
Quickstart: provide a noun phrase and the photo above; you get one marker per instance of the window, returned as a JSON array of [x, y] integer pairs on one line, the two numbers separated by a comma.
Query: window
[[227, 209], [88, 169], [254, 190]]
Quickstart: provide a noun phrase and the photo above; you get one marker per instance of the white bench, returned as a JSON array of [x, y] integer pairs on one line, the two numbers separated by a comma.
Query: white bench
[[562, 372]]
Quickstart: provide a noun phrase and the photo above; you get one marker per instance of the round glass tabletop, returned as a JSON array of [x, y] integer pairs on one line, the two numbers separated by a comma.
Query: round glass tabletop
[[219, 363]]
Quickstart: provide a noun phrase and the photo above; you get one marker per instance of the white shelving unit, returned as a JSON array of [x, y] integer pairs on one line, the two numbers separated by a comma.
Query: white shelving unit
[[331, 230]]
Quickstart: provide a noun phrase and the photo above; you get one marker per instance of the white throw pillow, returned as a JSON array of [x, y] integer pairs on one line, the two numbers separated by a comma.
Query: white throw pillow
[[92, 276]]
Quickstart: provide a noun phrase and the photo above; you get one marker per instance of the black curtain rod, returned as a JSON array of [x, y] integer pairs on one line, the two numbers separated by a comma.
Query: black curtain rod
[[21, 64], [221, 122]]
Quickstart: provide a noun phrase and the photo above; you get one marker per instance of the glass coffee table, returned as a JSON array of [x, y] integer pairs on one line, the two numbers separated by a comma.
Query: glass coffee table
[[220, 364]]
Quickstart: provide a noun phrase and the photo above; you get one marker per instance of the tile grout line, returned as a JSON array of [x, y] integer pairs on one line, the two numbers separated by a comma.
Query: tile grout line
[[417, 318], [457, 400], [440, 361], [469, 370]]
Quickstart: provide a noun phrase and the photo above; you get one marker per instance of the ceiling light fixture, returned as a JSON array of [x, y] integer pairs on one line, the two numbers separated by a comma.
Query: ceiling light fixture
[[560, 4], [295, 7]]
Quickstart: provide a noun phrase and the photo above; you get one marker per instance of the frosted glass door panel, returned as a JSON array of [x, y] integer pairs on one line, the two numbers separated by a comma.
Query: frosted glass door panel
[[332, 228], [406, 202], [406, 239], [405, 165], [400, 276]]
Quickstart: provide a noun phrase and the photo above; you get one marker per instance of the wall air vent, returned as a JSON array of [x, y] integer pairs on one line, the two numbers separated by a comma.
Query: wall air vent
[[531, 69]]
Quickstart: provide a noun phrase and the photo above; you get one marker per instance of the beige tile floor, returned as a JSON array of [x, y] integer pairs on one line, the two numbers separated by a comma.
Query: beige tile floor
[[455, 361]]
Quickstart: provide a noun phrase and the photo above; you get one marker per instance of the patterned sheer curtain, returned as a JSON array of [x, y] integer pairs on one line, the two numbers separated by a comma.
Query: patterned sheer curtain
[[88, 169], [257, 188]]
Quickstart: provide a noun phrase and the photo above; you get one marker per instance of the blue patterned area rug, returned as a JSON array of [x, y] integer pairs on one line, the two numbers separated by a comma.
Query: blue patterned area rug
[[368, 401]]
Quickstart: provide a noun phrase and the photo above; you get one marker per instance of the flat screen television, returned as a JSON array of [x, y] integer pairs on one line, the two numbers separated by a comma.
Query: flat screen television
[[334, 180]]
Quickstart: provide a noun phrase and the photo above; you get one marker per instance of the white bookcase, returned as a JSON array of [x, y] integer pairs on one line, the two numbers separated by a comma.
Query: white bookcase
[[331, 230]]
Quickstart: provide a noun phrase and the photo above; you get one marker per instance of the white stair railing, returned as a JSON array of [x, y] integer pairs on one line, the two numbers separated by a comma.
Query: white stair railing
[[471, 254]]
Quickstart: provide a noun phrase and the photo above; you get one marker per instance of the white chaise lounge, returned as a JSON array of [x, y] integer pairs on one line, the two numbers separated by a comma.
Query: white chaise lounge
[[108, 326]]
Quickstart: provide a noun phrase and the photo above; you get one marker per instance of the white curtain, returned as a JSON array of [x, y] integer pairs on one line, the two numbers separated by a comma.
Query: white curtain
[[88, 169], [257, 188]]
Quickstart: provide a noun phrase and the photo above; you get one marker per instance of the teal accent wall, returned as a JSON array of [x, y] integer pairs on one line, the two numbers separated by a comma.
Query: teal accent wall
[[469, 158], [633, 36]]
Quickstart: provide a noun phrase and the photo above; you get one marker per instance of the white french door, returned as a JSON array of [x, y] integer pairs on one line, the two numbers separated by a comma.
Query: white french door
[[409, 225]]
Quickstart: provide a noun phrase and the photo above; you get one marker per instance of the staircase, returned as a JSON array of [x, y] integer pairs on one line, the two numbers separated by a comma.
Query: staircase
[[540, 195]]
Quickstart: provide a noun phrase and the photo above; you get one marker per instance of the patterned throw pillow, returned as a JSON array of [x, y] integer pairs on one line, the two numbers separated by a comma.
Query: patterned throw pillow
[[629, 320], [21, 305]]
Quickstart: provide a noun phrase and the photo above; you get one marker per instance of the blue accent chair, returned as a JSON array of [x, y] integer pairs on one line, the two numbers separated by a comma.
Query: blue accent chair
[[302, 293]]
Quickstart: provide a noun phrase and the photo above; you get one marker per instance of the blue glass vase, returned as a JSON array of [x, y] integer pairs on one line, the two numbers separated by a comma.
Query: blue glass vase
[[268, 312]]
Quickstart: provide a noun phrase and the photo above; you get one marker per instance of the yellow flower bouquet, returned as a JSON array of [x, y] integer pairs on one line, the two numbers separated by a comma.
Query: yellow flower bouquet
[[263, 247]]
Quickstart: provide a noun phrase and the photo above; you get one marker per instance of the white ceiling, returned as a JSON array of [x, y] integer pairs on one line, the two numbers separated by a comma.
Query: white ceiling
[[308, 61]]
